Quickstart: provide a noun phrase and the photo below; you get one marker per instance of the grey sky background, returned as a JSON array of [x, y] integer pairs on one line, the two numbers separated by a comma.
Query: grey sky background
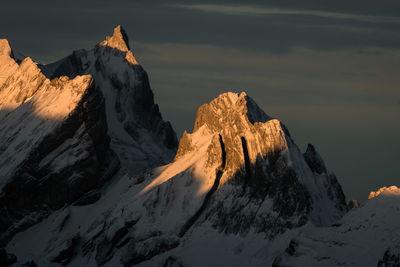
[[329, 70]]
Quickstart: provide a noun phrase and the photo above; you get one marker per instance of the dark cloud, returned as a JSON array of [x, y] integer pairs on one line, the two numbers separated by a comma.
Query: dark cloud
[[65, 25]]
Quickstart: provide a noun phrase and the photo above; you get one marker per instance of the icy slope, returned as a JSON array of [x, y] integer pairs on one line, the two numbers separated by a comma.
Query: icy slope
[[366, 236], [138, 133]]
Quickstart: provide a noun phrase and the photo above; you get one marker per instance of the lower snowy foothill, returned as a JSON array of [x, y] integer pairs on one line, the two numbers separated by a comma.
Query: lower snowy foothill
[[362, 238]]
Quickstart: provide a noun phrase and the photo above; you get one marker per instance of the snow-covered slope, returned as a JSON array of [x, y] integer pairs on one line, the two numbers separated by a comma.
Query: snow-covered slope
[[366, 236], [237, 177]]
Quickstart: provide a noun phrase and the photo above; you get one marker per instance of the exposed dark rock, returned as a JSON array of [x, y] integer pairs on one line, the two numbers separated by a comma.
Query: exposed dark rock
[[88, 198], [277, 262], [29, 264], [353, 203], [106, 247], [391, 258], [172, 262], [138, 251], [314, 160], [66, 251], [6, 259], [291, 249]]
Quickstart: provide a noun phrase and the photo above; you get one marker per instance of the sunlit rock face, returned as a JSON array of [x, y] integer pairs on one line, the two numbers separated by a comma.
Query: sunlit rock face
[[266, 184], [242, 124], [7, 63], [392, 190], [119, 41]]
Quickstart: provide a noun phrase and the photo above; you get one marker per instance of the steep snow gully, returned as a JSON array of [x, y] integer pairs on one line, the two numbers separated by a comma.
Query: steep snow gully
[[207, 198]]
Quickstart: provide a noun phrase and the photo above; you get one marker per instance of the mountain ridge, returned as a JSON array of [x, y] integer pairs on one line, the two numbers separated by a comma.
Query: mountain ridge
[[108, 184]]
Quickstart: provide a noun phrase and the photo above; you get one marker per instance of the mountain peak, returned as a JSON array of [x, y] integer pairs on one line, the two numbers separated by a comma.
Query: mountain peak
[[7, 64], [5, 48], [219, 112], [385, 190], [119, 40], [246, 131]]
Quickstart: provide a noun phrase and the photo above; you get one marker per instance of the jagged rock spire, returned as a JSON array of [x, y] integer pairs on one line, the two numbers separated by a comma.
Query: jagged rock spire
[[5, 48], [7, 63], [120, 41]]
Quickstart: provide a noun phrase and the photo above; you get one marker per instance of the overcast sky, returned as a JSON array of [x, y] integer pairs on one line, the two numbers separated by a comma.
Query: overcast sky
[[329, 70]]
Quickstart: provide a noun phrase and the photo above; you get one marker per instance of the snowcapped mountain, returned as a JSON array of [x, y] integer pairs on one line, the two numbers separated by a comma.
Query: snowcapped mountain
[[66, 126], [91, 175]]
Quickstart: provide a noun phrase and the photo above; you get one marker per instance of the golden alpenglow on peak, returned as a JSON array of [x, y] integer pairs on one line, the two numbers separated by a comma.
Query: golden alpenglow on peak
[[7, 63], [5, 48], [119, 40], [385, 190]]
